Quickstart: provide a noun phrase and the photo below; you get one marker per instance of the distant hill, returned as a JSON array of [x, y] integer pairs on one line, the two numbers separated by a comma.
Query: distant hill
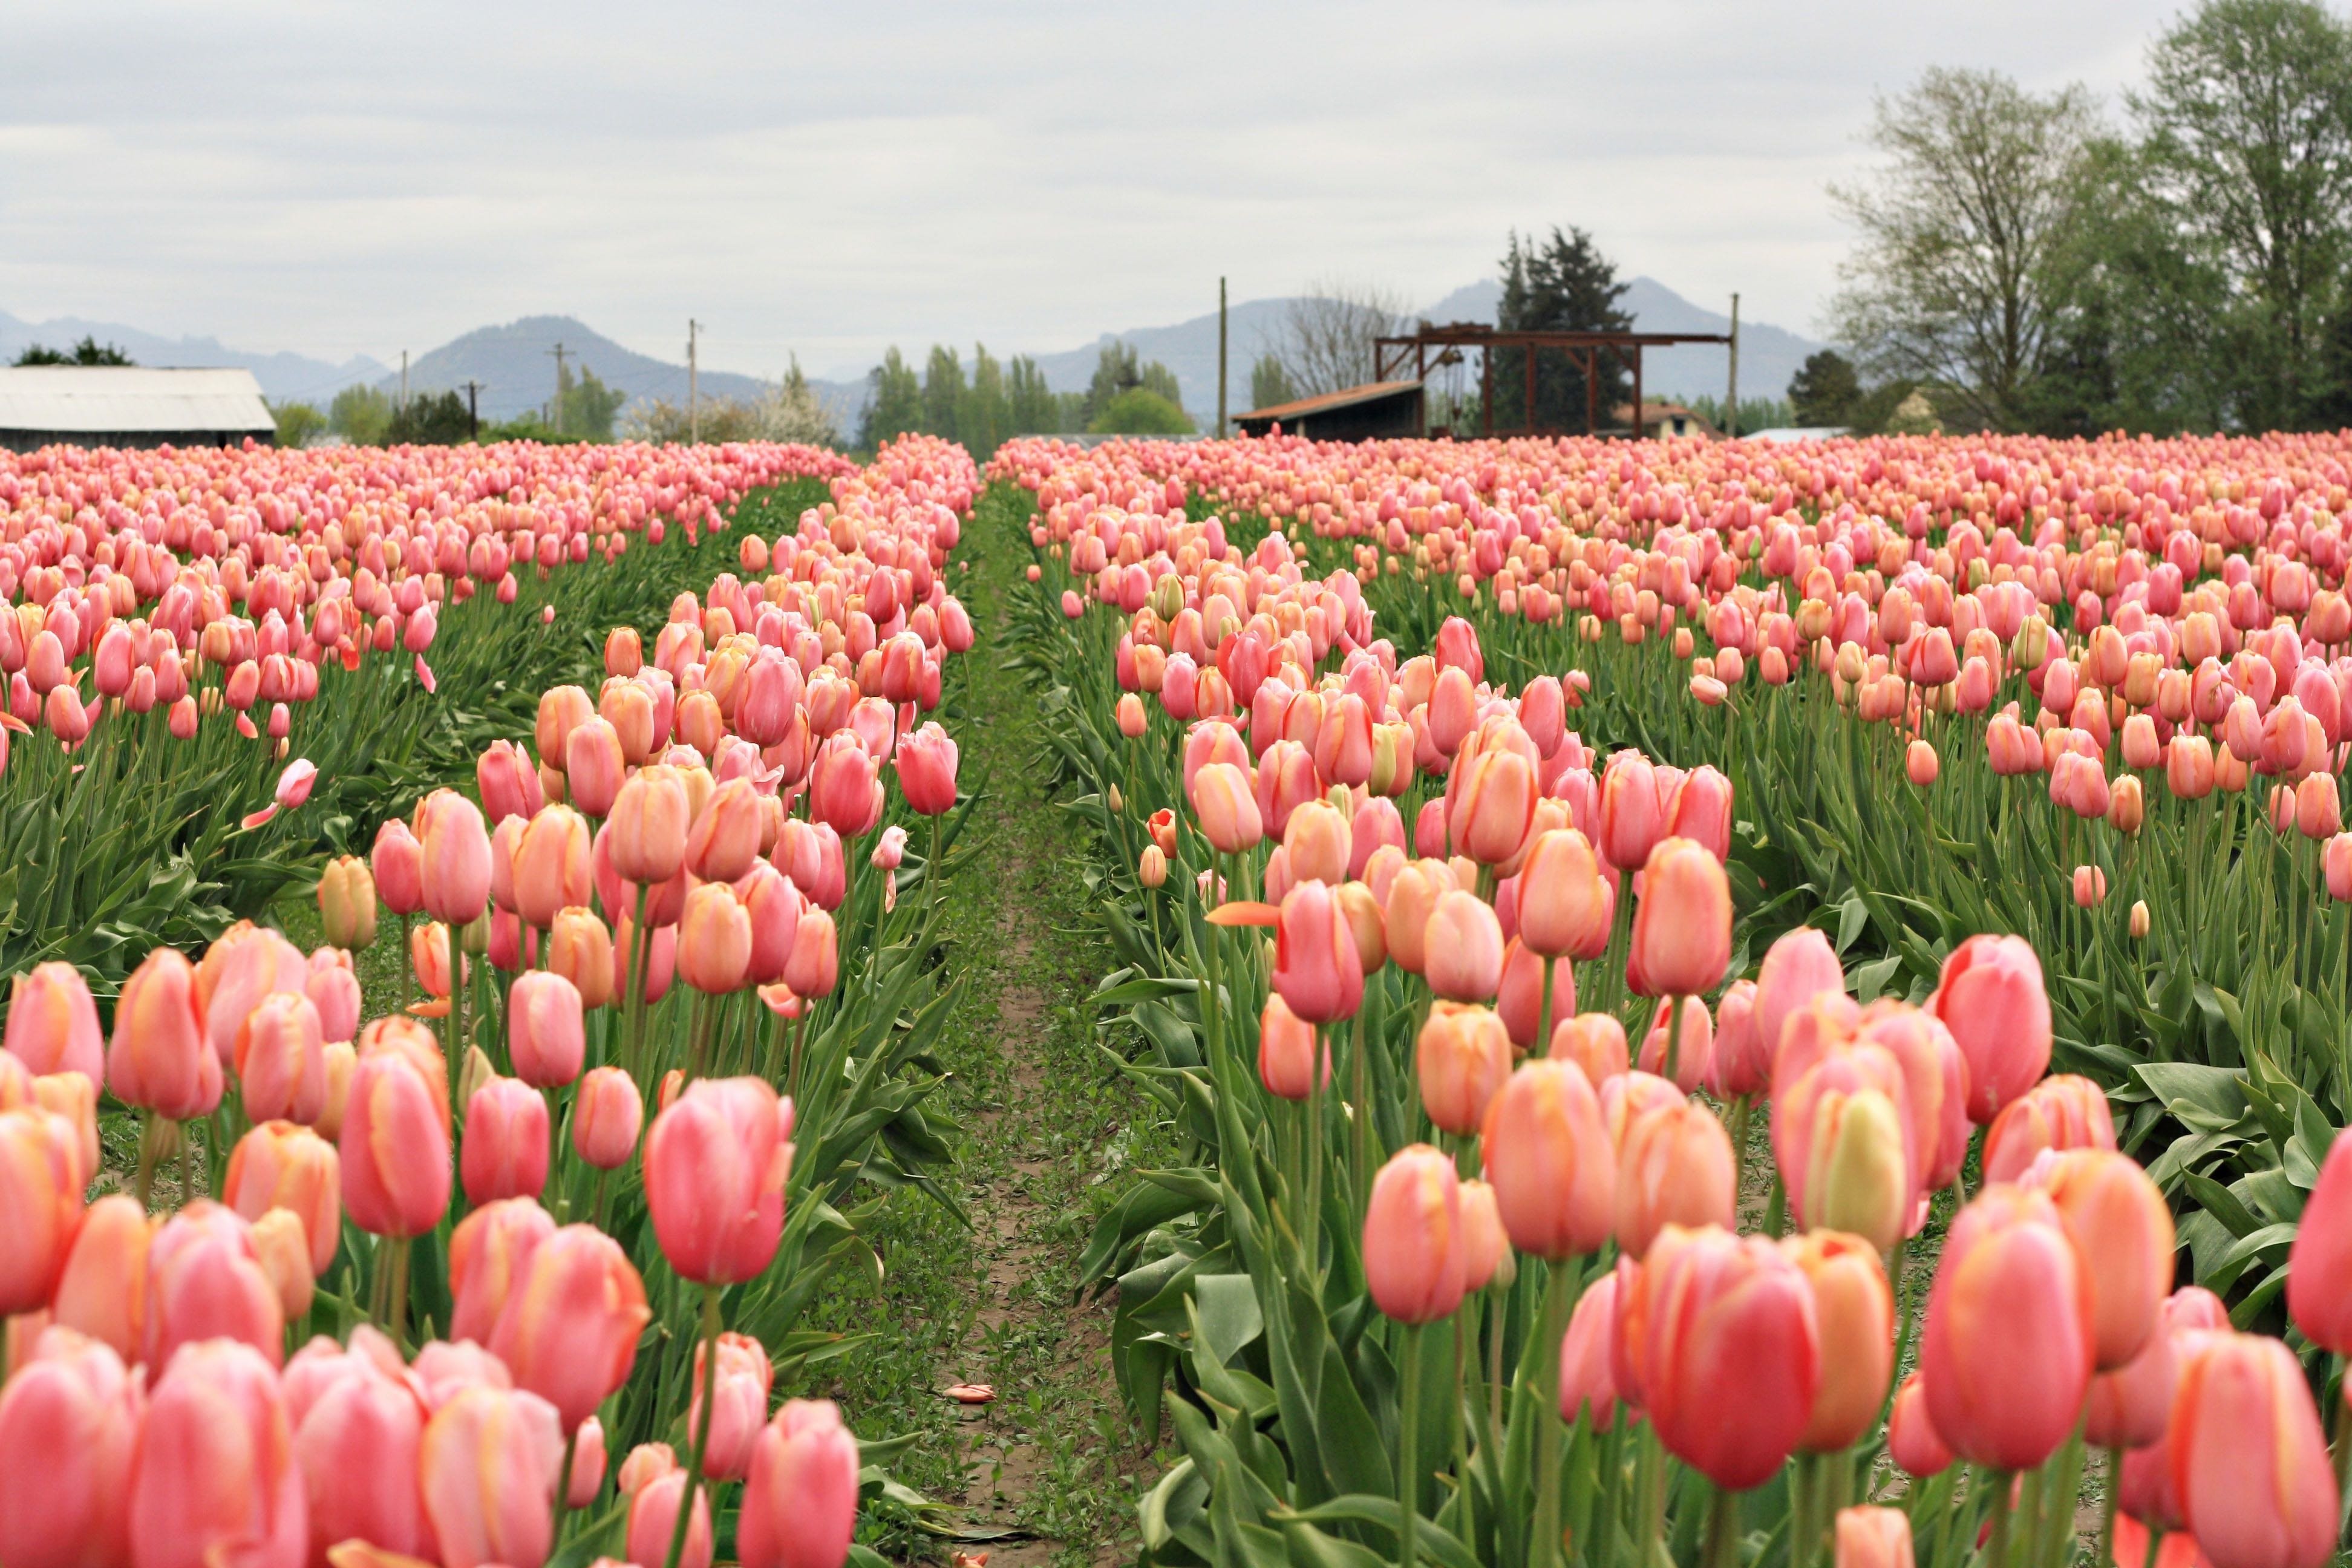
[[283, 376], [515, 367]]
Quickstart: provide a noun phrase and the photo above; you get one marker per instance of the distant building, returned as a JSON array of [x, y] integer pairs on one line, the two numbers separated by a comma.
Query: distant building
[[119, 405], [1662, 420], [1376, 411]]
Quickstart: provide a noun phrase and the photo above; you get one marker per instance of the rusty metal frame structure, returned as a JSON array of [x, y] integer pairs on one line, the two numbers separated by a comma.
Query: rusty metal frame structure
[[1390, 356]]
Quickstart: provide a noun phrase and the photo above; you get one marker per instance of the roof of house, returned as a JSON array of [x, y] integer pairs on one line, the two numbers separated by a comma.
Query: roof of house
[[1346, 397], [125, 399]]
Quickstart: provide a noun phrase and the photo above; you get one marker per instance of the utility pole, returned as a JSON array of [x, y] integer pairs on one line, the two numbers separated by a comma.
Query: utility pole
[[693, 384], [473, 411], [403, 378], [557, 422], [1220, 359], [1731, 392]]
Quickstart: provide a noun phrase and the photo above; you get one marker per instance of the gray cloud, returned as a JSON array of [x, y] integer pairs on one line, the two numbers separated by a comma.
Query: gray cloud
[[347, 178]]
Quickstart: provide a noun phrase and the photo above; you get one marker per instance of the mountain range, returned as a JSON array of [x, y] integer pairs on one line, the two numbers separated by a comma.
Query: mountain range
[[513, 365]]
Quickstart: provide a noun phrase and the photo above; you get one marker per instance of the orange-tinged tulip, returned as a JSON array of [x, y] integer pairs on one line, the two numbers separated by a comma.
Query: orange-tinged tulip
[[1595, 1043], [2129, 1407], [2248, 1461], [1412, 896], [1414, 1246], [2009, 1342], [1550, 1157], [800, 1504], [1855, 1309], [738, 1406], [551, 865], [284, 1166], [1721, 1336], [1462, 947], [488, 1467], [1462, 1058], [1491, 806], [2122, 1233], [1227, 808], [429, 957], [356, 1439], [2319, 1264], [102, 1292], [715, 1166], [41, 1182], [504, 1151], [607, 1112], [1315, 969], [1917, 1449], [1519, 998], [1632, 818], [546, 1029], [714, 939], [647, 826], [1587, 1387], [1682, 923], [283, 1249], [1565, 904], [488, 1251], [1798, 968], [1684, 1034], [53, 1023], [580, 948], [725, 839], [1873, 1537], [570, 1326], [1287, 1053], [652, 1520], [1992, 998], [595, 765], [206, 1280], [1734, 1067], [1487, 1255], [281, 1063], [394, 1145], [455, 848], [1673, 1167], [2063, 1112], [159, 1060], [214, 1479], [69, 1426]]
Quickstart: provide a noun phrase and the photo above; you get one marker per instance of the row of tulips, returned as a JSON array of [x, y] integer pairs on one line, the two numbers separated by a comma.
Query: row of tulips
[[512, 1225], [183, 623], [2114, 671], [1470, 1251]]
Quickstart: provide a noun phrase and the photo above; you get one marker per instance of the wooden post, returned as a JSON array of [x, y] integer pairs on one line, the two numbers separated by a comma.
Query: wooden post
[[1486, 391], [1529, 410], [1220, 359], [1731, 391], [1592, 388], [1637, 391]]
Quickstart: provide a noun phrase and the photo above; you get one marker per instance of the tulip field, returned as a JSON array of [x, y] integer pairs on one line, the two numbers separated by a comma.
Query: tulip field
[[1646, 1006]]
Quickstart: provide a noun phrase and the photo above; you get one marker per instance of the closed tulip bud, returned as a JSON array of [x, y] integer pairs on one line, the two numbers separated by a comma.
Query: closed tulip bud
[[1414, 1245], [2249, 1464], [1587, 1387], [1151, 869], [281, 1165], [1673, 1167], [546, 1029], [2188, 767], [1227, 808], [1411, 898], [2008, 1346], [1846, 1157], [2126, 807], [102, 1290], [488, 1465], [815, 966], [1855, 1309], [587, 1477], [356, 1440], [159, 1060], [568, 1327], [725, 839], [41, 1182], [1548, 1155], [2129, 1406], [397, 865], [2319, 1265], [1919, 765], [715, 1165], [214, 1476], [1631, 819], [1873, 1537], [1566, 906], [800, 1503], [580, 948], [284, 1251], [281, 1066], [206, 1280], [1462, 1057], [1680, 1046], [1287, 1052], [505, 1153], [429, 957], [652, 1522], [649, 826], [455, 848], [488, 1251], [341, 1059], [1917, 1449], [1487, 1256], [740, 1383], [53, 1023], [395, 1146], [1682, 925], [714, 944], [69, 1423], [1992, 998], [1594, 1043], [551, 865], [927, 771], [2122, 1233], [1318, 842], [1315, 969], [595, 766], [1734, 1067], [607, 1113], [2063, 1112], [1491, 808], [1462, 947], [1132, 716], [1703, 1302]]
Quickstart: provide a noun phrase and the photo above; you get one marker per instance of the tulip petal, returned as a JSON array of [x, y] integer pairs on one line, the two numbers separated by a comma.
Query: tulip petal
[[1244, 912]]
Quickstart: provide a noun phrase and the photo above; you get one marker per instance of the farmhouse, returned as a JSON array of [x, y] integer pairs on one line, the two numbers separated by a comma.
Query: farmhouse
[[127, 406], [1367, 413]]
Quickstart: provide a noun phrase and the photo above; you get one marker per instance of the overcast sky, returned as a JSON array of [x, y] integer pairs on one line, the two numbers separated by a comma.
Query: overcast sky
[[343, 178]]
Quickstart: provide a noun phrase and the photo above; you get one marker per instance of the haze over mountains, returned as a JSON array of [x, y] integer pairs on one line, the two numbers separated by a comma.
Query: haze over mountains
[[513, 364]]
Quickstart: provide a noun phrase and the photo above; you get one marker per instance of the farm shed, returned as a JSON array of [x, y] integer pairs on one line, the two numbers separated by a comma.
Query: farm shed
[[124, 405], [1368, 412]]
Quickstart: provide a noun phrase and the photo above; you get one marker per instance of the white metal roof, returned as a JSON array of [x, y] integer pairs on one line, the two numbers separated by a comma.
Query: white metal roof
[[126, 399]]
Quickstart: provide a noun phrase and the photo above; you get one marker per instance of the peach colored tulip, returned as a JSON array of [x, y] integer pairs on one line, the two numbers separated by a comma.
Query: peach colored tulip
[[41, 1182], [1315, 969], [397, 863], [159, 1060], [551, 865], [1519, 1000], [715, 1165], [1992, 998], [1631, 822], [1873, 1537], [214, 1478], [2319, 1263], [1463, 948], [1227, 808], [1412, 897], [607, 1113], [1551, 1159], [652, 1522], [1565, 904], [1682, 923], [2248, 1461], [1414, 1245], [587, 1477], [394, 1145], [281, 1164], [580, 948], [1287, 1052], [714, 942], [488, 1251], [1917, 1449], [1798, 967], [740, 1384], [488, 1467], [1462, 1058], [546, 1031], [647, 826], [570, 1325], [456, 865], [356, 1441], [724, 839], [1693, 1047], [1487, 1256], [281, 1066], [1588, 1389], [283, 1249], [1734, 1067], [102, 1292], [800, 1504], [595, 765], [1491, 805], [53, 1023], [1855, 1309], [206, 1280], [1595, 1043], [1673, 1167], [2063, 1112], [69, 1425], [2129, 1407], [505, 1150], [2122, 1233], [1839, 1136], [2010, 1342]]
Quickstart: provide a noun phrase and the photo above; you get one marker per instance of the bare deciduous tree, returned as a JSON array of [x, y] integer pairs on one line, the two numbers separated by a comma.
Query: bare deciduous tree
[[1326, 341]]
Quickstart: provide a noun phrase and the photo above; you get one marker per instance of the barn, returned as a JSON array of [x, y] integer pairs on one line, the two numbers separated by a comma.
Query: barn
[[1368, 413], [128, 405]]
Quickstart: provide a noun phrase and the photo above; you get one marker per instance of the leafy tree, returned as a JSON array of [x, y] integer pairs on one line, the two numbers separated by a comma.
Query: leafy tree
[[1270, 384], [1326, 344], [360, 414], [1823, 390], [298, 423], [943, 389], [894, 403], [1115, 372], [2247, 145], [1963, 275], [984, 415], [86, 351], [1035, 410], [1141, 411], [589, 406], [1564, 284], [431, 419]]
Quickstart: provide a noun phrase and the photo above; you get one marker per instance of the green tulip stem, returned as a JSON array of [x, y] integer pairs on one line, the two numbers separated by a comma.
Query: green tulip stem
[[1310, 1225], [1542, 1045], [1558, 1299], [701, 1428], [1408, 1450], [396, 1311], [1997, 1543], [1722, 1530], [563, 1486]]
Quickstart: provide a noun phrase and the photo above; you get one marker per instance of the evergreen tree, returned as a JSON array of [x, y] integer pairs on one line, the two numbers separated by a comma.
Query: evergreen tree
[[1115, 372], [894, 402], [430, 419], [1564, 285], [1033, 410], [89, 350], [1270, 384], [1158, 379], [984, 414], [943, 388], [1826, 389]]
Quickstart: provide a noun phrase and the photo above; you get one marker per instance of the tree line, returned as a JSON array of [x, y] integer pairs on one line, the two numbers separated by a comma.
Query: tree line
[[999, 400]]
